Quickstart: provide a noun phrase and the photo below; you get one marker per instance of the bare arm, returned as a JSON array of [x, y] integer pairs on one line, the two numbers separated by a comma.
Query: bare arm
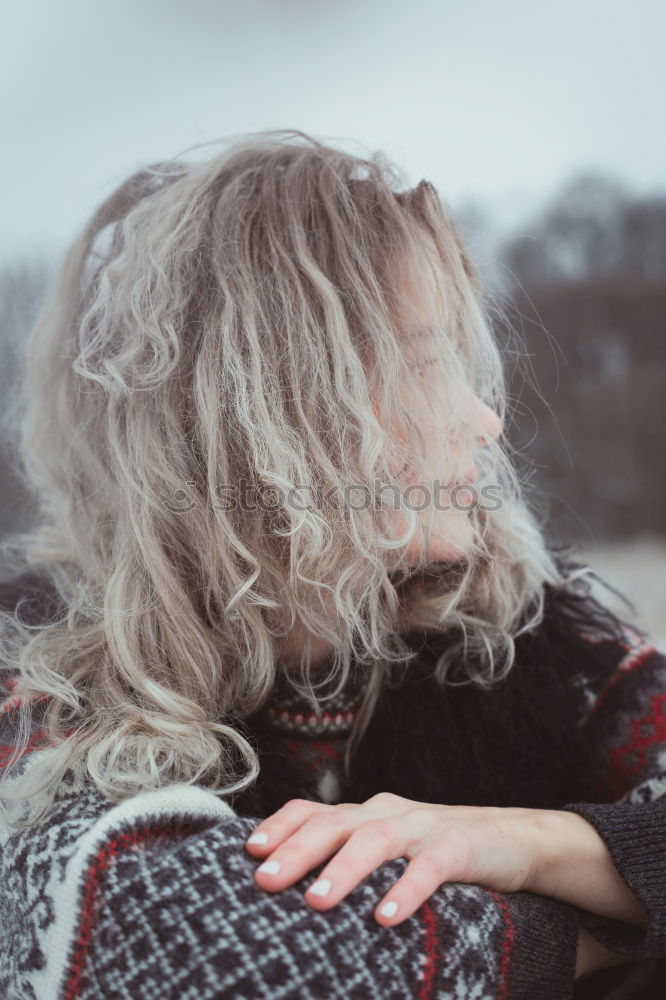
[[575, 865]]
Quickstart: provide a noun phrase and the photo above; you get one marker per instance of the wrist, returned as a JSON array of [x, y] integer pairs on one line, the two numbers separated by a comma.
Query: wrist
[[565, 851], [572, 863]]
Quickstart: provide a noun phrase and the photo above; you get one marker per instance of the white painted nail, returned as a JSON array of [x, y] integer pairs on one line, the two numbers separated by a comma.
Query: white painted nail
[[321, 887], [258, 838], [270, 867], [389, 909]]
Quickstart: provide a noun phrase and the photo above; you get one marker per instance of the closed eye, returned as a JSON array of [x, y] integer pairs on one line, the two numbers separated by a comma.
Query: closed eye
[[422, 364]]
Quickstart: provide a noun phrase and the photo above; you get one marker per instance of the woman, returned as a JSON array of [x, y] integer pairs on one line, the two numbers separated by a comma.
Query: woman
[[287, 584]]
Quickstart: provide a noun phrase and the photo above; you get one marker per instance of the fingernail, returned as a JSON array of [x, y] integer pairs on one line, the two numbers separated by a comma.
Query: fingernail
[[270, 867], [258, 838], [321, 887], [388, 909]]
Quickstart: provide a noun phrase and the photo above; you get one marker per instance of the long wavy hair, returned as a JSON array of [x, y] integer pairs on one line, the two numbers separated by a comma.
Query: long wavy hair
[[241, 321]]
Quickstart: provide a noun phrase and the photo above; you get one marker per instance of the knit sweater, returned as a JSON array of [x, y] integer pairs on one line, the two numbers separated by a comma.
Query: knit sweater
[[155, 897]]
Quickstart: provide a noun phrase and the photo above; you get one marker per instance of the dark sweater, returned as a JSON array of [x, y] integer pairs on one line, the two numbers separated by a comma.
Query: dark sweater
[[155, 897]]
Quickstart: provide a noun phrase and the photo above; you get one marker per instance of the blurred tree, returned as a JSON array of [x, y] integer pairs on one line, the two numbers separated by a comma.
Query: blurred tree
[[22, 286], [594, 228], [589, 397]]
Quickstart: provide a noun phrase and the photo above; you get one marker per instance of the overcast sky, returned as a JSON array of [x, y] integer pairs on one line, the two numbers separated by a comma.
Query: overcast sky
[[497, 103]]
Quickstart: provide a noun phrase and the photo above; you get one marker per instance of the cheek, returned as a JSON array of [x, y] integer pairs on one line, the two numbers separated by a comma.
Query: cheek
[[452, 510], [443, 466]]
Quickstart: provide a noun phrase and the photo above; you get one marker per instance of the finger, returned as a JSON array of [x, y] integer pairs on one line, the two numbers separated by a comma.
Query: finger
[[422, 877], [312, 844], [368, 846], [305, 843], [274, 830]]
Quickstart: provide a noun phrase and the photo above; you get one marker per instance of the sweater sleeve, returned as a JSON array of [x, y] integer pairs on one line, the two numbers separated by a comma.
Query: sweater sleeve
[[155, 898], [625, 722]]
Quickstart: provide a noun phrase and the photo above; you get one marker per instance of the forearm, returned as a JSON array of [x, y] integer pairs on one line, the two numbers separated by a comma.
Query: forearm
[[573, 865], [186, 907]]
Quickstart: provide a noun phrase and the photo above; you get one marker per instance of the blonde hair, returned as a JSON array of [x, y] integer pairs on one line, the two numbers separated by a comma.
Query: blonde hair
[[238, 319]]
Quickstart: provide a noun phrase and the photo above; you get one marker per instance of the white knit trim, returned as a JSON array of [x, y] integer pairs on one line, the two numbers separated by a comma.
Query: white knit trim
[[67, 891]]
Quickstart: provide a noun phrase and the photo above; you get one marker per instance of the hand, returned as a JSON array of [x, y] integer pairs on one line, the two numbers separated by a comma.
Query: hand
[[488, 846]]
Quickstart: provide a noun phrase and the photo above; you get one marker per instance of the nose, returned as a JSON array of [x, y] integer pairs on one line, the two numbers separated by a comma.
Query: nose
[[490, 423]]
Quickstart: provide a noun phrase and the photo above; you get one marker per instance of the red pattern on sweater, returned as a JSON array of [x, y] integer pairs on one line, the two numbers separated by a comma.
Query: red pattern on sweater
[[629, 759], [103, 858], [508, 943]]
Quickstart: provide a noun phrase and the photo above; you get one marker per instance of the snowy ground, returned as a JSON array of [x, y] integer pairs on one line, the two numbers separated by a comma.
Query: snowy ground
[[638, 569]]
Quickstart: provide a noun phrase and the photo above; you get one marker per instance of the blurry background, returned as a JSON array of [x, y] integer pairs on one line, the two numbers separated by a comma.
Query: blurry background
[[538, 125]]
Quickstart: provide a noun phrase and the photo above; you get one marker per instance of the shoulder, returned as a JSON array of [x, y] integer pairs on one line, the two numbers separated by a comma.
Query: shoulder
[[595, 648]]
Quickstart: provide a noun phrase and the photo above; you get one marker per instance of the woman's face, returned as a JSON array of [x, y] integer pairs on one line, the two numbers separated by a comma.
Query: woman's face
[[451, 531]]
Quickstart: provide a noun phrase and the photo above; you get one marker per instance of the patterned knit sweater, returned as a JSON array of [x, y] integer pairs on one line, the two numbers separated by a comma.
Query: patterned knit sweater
[[154, 898]]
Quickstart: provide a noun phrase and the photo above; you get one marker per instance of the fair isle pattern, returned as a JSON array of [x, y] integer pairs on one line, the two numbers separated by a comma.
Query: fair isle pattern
[[637, 745], [292, 712], [625, 719], [311, 724], [324, 759], [155, 898], [316, 738], [9, 705], [634, 648], [51, 879], [92, 925], [308, 722]]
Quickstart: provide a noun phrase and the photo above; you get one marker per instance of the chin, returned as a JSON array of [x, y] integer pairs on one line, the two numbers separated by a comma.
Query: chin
[[455, 550]]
